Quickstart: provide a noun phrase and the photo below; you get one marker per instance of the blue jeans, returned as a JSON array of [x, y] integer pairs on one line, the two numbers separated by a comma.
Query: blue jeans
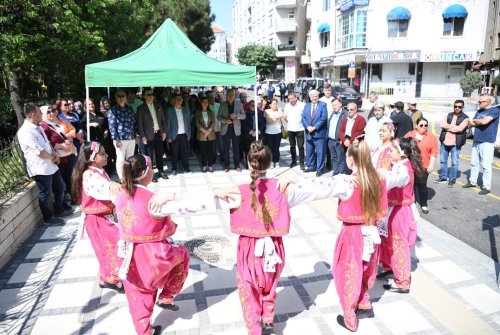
[[482, 153], [444, 152], [45, 185]]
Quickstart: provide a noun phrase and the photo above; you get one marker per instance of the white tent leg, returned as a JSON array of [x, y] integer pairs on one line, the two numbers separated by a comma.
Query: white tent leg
[[87, 103], [256, 113]]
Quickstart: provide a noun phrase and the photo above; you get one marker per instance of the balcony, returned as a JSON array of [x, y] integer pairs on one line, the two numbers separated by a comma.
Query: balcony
[[285, 25], [286, 50], [286, 3]]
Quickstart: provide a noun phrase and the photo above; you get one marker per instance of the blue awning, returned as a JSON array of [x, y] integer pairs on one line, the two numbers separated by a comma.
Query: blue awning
[[324, 28], [398, 14], [455, 10]]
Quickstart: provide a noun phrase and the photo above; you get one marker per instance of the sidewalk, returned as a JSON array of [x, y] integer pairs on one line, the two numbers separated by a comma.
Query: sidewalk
[[51, 286]]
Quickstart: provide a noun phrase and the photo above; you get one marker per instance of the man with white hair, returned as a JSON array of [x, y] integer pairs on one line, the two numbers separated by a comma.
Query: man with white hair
[[483, 145], [314, 120], [372, 128]]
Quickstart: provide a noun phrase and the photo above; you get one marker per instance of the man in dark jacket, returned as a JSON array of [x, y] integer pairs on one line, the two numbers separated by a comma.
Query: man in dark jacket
[[402, 122], [152, 129]]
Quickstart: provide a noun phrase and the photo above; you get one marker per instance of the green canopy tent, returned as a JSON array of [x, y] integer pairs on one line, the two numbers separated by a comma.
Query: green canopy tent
[[168, 58]]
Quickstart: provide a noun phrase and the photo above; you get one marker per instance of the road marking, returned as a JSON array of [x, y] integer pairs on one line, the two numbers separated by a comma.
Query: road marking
[[495, 165], [434, 128], [475, 188]]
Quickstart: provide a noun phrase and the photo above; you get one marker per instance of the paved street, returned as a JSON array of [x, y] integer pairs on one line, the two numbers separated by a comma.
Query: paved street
[[51, 285]]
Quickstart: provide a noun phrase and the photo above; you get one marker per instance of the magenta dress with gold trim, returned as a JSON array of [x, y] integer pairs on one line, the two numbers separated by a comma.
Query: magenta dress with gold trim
[[354, 277], [156, 264], [102, 232], [402, 232], [257, 288]]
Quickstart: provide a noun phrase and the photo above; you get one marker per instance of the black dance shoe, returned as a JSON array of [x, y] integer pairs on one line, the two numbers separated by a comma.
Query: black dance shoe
[[267, 328], [118, 287], [156, 330], [170, 307], [395, 289]]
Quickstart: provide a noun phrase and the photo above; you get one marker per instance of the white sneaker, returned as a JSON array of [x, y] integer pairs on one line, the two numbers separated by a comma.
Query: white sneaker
[[277, 165], [273, 165]]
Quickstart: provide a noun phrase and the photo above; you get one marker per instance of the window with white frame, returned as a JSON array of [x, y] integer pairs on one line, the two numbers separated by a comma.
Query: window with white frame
[[352, 30], [270, 19], [324, 39], [326, 5], [453, 26], [397, 28]]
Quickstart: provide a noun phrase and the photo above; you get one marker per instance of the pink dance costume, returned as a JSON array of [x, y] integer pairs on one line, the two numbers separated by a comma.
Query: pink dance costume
[[354, 268], [256, 286], [401, 228], [99, 223], [157, 262]]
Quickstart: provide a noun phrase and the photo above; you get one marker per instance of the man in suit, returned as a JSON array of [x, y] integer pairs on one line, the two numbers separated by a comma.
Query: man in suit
[[230, 115], [351, 127], [178, 133], [337, 153], [314, 119], [152, 129]]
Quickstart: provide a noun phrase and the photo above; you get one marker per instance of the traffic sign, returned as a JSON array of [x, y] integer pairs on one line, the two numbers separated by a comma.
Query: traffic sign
[[352, 64]]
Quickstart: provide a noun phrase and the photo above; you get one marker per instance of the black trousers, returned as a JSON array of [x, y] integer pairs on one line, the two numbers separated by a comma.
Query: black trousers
[[228, 140], [274, 141], [180, 149], [420, 188], [296, 139], [156, 146], [206, 152]]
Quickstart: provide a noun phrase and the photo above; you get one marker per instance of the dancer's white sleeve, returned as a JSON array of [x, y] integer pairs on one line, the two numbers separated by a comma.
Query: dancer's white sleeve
[[310, 189]]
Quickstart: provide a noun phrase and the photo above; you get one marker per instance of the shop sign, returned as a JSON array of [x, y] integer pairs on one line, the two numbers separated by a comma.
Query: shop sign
[[325, 61], [400, 56], [343, 60], [450, 56], [348, 4], [286, 47]]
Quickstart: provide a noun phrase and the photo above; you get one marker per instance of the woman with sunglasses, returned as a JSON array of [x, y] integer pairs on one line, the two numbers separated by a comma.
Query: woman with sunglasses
[[93, 190], [74, 132], [428, 145], [52, 126]]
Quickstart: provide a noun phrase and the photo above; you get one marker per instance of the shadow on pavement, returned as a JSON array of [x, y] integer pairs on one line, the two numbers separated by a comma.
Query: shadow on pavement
[[489, 224]]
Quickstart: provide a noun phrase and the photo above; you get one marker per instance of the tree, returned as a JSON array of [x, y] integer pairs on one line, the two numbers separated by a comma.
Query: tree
[[192, 16], [50, 41], [262, 57], [470, 81]]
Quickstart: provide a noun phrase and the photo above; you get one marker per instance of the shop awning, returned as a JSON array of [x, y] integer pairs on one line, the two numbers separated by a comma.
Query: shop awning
[[455, 10], [399, 14], [324, 28]]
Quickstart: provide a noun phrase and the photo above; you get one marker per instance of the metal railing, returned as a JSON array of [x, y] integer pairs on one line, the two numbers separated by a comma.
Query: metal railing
[[12, 172]]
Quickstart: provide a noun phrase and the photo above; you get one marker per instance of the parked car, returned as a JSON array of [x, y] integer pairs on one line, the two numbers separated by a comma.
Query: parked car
[[312, 83], [347, 95]]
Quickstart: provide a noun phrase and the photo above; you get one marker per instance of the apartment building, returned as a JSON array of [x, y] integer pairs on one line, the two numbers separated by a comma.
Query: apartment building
[[218, 49], [278, 23], [404, 48]]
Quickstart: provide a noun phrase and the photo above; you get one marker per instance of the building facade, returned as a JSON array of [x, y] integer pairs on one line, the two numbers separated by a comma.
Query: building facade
[[403, 48], [218, 50], [278, 23]]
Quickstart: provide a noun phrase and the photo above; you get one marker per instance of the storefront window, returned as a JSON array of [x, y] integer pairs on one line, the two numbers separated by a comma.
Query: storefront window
[[453, 26], [352, 32], [398, 28]]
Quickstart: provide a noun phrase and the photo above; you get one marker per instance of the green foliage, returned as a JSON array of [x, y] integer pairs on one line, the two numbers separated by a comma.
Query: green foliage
[[51, 41], [12, 174], [8, 122], [470, 81], [496, 81], [262, 57]]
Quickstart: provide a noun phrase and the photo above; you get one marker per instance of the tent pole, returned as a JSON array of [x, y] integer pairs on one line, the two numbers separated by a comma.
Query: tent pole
[[256, 113], [109, 94], [87, 104]]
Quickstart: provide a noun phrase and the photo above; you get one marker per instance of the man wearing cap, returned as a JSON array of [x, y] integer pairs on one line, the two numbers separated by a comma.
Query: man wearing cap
[[413, 112]]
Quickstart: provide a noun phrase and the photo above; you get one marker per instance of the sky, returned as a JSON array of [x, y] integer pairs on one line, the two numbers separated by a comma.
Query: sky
[[223, 10]]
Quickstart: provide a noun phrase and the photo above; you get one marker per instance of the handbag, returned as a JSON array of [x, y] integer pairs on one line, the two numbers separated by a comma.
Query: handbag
[[284, 132]]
